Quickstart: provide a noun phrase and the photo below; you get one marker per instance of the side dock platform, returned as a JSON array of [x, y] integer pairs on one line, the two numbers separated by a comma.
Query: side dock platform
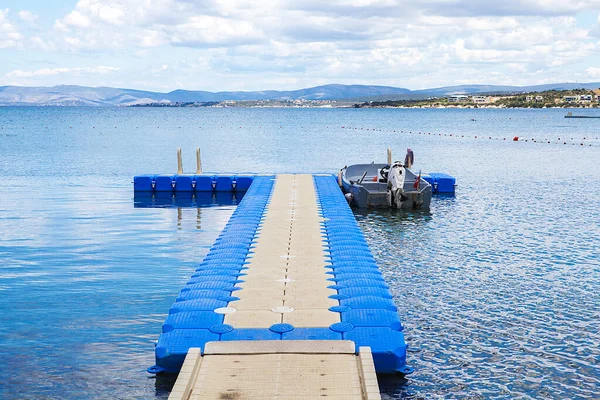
[[290, 282]]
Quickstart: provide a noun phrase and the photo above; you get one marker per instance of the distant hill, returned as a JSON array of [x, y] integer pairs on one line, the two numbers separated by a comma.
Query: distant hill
[[75, 96], [326, 92], [105, 96]]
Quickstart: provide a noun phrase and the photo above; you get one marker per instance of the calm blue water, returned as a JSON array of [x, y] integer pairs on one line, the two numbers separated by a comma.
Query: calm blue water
[[498, 287]]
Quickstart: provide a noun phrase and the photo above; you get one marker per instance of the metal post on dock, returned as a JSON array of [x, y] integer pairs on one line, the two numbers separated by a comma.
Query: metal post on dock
[[179, 162], [389, 156], [198, 162]]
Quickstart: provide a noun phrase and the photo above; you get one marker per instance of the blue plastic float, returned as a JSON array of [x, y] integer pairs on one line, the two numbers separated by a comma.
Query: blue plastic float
[[207, 183], [186, 183]]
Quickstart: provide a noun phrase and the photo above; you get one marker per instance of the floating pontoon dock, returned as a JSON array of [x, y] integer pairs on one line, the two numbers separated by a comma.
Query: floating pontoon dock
[[277, 369], [288, 303]]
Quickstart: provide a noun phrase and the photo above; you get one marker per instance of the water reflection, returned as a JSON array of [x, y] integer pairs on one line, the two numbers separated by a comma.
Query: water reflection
[[164, 384], [439, 202], [393, 219], [169, 200]]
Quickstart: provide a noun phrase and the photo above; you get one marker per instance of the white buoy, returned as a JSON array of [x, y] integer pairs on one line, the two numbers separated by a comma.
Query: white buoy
[[389, 156], [198, 162], [179, 163]]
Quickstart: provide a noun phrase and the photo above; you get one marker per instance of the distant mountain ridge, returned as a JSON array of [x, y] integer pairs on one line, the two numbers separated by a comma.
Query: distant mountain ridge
[[105, 96], [69, 95]]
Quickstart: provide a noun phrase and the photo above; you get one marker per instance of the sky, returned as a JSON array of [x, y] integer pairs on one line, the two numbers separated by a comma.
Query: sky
[[218, 45]]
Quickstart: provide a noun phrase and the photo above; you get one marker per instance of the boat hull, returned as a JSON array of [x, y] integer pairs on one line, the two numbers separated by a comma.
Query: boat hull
[[363, 198], [369, 190]]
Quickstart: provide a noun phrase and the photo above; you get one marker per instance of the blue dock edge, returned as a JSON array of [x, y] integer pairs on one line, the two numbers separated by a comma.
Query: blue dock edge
[[204, 183], [209, 183]]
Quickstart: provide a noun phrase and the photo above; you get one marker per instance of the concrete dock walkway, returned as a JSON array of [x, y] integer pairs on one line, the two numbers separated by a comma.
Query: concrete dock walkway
[[286, 280]]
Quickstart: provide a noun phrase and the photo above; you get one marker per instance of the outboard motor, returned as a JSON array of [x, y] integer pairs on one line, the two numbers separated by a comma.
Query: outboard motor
[[396, 177]]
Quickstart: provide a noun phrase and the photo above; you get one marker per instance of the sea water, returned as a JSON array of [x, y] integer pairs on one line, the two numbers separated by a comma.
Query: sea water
[[498, 287]]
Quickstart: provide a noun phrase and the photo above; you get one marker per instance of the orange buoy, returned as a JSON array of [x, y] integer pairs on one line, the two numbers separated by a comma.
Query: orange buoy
[[516, 139]]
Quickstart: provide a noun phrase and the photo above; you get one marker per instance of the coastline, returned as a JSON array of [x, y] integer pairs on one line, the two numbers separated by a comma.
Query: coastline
[[304, 106], [477, 106]]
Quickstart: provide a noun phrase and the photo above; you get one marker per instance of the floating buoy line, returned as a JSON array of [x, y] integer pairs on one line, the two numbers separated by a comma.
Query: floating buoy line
[[564, 141], [588, 141]]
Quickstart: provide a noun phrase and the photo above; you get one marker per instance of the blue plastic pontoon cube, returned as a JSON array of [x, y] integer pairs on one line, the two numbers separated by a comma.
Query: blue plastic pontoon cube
[[143, 183], [204, 183], [163, 183], [224, 183], [184, 183]]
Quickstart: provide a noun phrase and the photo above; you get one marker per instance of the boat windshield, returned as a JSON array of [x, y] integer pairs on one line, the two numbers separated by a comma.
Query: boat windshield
[[355, 172]]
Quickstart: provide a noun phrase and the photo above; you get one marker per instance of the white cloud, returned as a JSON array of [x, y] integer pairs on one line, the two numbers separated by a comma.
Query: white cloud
[[151, 38], [399, 42], [151, 23], [207, 31], [593, 72], [76, 19], [10, 37], [160, 69], [448, 8], [58, 71], [131, 12], [30, 18], [109, 13], [38, 42]]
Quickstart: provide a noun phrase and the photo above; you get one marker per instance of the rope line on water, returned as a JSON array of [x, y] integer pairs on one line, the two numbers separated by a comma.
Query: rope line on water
[[562, 141]]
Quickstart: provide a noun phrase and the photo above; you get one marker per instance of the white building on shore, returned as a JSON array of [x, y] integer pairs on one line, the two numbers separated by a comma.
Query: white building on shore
[[480, 99], [458, 98]]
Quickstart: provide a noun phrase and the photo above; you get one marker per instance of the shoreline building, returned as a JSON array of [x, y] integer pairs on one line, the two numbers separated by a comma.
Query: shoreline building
[[570, 99], [480, 99], [458, 98]]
